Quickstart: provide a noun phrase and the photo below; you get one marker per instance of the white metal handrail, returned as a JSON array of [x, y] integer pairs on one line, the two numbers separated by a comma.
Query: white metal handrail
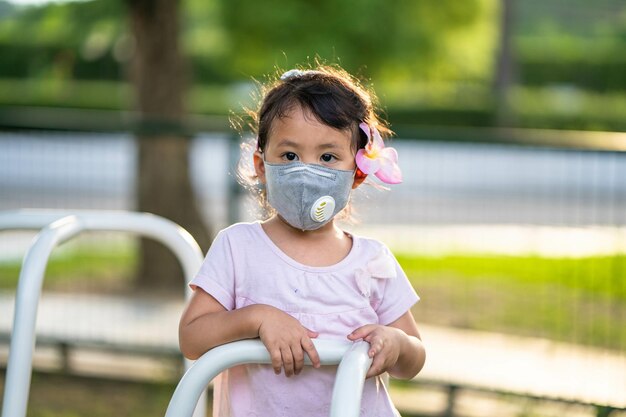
[[174, 237], [56, 228], [353, 360]]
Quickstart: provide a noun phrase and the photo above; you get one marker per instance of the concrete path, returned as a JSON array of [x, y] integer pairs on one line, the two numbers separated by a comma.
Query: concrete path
[[498, 239], [486, 360]]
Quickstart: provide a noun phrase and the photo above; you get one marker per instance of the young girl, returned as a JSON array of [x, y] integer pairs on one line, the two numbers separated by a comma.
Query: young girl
[[297, 276]]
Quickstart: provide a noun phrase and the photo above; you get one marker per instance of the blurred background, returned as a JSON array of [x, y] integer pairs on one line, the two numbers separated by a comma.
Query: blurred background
[[511, 223]]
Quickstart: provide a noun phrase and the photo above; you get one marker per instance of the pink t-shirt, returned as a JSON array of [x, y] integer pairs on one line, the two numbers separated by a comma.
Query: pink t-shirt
[[244, 267]]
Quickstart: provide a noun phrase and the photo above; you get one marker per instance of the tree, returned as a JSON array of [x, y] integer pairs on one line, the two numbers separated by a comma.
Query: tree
[[164, 186], [504, 74]]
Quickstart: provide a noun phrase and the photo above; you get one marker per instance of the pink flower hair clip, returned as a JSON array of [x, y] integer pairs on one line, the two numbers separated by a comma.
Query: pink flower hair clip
[[376, 159]]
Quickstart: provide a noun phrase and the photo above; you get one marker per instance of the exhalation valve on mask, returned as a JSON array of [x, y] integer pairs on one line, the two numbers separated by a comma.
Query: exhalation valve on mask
[[323, 209]]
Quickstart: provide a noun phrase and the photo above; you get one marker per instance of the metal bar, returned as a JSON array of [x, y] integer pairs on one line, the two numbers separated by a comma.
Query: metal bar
[[603, 411], [457, 387], [78, 121], [348, 388], [450, 404], [92, 120], [174, 237], [59, 226], [19, 366], [352, 358]]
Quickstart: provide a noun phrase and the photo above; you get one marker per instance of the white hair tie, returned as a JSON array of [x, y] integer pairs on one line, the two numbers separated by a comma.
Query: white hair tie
[[293, 73]]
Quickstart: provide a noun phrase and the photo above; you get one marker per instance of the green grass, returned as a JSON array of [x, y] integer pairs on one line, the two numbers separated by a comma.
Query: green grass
[[574, 300], [78, 269], [577, 300], [600, 275]]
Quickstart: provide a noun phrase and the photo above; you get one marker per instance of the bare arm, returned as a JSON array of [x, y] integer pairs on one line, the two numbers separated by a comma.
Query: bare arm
[[205, 324], [396, 348], [412, 352]]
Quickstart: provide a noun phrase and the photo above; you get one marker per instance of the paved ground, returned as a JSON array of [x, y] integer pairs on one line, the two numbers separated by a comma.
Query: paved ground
[[501, 239], [488, 360]]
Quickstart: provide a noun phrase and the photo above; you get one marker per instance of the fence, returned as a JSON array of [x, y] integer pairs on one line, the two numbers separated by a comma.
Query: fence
[[519, 233]]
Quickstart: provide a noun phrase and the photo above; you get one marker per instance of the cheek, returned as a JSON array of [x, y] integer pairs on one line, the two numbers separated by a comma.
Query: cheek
[[349, 162]]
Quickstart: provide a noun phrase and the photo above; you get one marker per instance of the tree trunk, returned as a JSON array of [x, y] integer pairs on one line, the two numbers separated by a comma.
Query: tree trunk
[[505, 71], [164, 185]]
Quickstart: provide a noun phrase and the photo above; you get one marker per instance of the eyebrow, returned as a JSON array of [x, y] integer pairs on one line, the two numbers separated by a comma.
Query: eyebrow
[[288, 142], [330, 145]]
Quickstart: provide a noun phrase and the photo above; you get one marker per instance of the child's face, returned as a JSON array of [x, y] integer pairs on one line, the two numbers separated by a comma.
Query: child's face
[[301, 137]]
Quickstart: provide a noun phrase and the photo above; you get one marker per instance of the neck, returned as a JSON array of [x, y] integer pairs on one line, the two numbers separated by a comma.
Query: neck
[[327, 230], [322, 247]]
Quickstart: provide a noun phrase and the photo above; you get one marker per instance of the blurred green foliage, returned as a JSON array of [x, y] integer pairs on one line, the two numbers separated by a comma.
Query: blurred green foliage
[[576, 300], [235, 40], [430, 62], [404, 42]]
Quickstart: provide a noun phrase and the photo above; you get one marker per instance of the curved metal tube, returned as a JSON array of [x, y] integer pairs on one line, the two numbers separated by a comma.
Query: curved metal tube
[[352, 358], [346, 399], [174, 237], [58, 227], [19, 366]]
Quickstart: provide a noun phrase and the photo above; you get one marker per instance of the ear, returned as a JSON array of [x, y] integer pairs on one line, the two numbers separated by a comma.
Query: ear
[[259, 166], [359, 177]]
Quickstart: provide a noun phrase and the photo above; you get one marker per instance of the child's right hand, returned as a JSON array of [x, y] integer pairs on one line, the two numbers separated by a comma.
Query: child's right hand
[[287, 340]]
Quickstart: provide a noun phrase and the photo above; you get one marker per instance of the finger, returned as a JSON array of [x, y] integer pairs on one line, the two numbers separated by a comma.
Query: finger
[[298, 357], [310, 350], [376, 346], [311, 333], [377, 367], [277, 362], [287, 360], [361, 332]]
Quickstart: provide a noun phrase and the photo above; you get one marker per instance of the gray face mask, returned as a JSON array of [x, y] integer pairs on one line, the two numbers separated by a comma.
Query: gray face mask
[[307, 196]]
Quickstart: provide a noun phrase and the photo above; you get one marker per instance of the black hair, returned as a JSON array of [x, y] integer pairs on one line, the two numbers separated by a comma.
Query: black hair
[[330, 94]]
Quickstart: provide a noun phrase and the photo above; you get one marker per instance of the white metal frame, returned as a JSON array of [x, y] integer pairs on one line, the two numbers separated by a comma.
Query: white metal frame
[[353, 360], [58, 226], [189, 399]]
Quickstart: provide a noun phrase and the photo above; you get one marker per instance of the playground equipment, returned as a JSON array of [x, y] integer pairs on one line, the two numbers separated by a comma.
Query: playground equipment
[[352, 358], [58, 226]]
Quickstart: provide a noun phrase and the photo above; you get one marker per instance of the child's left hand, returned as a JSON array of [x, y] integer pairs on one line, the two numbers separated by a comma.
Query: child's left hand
[[384, 343]]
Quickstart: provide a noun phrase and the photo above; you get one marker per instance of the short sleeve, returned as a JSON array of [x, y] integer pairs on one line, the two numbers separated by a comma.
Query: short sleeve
[[217, 273], [396, 297]]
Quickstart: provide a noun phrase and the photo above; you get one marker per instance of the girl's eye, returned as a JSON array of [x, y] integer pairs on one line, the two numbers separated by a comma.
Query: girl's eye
[[328, 157], [290, 156]]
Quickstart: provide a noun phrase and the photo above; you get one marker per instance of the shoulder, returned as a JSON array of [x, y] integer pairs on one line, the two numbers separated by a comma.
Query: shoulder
[[374, 256], [239, 230], [369, 247], [238, 234]]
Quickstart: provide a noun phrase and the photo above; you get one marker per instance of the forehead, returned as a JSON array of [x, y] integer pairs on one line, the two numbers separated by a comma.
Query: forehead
[[301, 128]]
